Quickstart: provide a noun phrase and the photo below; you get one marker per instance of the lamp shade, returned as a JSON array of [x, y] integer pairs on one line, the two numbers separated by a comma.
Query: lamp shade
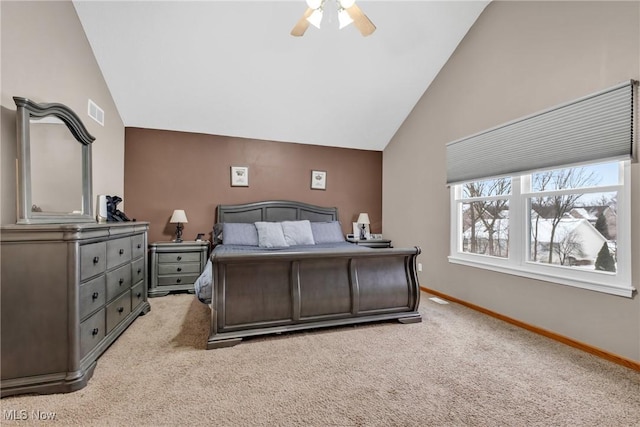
[[363, 218], [178, 216]]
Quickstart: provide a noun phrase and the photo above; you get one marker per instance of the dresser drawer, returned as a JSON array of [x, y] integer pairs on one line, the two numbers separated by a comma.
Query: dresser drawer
[[118, 281], [137, 295], [179, 268], [92, 331], [118, 251], [137, 246], [118, 310], [92, 296], [137, 271], [179, 257], [177, 279], [93, 259]]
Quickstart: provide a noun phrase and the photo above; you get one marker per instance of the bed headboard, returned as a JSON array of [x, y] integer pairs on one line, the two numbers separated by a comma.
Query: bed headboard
[[275, 210]]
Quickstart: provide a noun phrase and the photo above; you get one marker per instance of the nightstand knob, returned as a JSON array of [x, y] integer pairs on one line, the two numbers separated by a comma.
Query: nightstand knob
[[179, 258], [139, 245], [179, 280], [121, 281], [121, 251], [179, 268], [120, 309], [139, 270], [94, 331], [139, 294], [96, 259], [95, 295]]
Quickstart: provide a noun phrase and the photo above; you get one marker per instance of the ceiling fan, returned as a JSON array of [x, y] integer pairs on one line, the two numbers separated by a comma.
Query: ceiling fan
[[348, 12]]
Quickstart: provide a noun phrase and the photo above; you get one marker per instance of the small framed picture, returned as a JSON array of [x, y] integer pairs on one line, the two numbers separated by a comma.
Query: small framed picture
[[239, 176], [318, 180]]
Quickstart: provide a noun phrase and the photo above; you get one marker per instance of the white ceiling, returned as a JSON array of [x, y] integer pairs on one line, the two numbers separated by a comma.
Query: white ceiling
[[232, 68]]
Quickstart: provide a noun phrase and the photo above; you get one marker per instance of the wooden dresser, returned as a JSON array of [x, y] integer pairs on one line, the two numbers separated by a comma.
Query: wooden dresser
[[68, 292]]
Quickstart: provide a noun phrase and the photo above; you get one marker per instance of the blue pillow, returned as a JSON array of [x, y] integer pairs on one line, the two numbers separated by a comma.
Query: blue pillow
[[236, 233], [298, 232], [270, 235], [327, 232]]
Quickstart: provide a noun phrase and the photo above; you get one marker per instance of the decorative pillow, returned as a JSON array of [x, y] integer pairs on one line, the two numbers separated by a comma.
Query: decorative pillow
[[237, 233], [270, 235], [327, 232], [298, 232]]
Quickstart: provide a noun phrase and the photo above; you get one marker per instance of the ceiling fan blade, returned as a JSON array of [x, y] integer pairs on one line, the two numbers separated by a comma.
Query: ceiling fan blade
[[360, 20], [302, 25]]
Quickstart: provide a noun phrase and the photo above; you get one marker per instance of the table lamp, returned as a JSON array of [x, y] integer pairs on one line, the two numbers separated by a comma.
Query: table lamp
[[178, 217]]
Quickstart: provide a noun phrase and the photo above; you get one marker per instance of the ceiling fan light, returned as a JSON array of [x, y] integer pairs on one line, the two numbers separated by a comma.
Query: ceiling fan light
[[346, 4], [344, 19], [316, 18], [314, 4]]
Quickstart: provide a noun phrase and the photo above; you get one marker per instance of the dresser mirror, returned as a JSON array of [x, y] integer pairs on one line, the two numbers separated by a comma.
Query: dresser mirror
[[54, 164]]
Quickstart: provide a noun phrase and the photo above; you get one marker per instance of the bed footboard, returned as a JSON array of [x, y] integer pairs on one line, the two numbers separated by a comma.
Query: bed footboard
[[265, 293]]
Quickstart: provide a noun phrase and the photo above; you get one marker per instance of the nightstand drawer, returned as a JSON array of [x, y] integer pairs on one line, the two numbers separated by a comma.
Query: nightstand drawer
[[118, 310], [177, 280], [118, 281], [179, 257], [118, 252], [92, 331], [93, 259], [92, 296], [184, 268]]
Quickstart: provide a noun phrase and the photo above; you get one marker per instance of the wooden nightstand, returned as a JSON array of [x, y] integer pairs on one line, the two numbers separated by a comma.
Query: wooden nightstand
[[372, 243], [175, 266]]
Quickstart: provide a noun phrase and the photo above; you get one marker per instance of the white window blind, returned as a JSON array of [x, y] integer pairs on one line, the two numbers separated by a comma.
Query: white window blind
[[593, 128]]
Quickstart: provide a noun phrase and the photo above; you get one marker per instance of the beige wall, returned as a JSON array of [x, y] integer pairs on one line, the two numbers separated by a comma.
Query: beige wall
[[46, 57], [518, 58], [166, 170]]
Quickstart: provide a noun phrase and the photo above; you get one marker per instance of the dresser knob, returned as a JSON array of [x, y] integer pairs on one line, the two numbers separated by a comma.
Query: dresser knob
[[179, 258], [94, 332], [121, 251], [139, 245], [179, 280], [120, 309], [96, 259], [179, 268], [95, 295], [139, 294], [121, 281], [139, 270]]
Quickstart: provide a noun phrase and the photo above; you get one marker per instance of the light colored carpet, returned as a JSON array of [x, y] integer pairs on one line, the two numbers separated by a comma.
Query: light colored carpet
[[456, 368]]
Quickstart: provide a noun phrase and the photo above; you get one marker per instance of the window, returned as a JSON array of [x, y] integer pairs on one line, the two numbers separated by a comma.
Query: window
[[569, 225]]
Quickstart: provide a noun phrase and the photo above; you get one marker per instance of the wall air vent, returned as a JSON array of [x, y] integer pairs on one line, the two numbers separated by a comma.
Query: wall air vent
[[96, 113]]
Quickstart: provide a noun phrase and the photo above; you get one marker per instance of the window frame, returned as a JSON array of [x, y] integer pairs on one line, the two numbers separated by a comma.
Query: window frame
[[517, 263]]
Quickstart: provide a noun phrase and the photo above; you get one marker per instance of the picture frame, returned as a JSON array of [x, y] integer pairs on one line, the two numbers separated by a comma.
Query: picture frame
[[318, 180], [239, 176]]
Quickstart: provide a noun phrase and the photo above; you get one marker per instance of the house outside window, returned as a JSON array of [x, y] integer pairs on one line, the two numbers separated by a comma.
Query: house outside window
[[568, 225]]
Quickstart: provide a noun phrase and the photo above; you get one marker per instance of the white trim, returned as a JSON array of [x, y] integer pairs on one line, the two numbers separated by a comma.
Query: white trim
[[625, 291]]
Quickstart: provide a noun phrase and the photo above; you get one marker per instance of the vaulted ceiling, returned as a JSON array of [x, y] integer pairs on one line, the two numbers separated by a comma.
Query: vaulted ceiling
[[232, 68]]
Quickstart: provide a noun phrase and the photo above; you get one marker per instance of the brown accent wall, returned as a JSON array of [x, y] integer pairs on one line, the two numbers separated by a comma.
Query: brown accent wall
[[167, 170]]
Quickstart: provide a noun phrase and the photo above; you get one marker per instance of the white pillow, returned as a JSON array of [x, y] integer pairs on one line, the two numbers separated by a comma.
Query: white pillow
[[270, 235], [298, 232]]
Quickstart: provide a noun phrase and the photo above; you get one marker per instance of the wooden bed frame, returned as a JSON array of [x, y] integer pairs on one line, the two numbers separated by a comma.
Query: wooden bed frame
[[264, 293]]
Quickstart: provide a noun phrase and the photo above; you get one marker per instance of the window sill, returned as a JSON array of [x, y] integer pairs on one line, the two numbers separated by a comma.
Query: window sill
[[533, 271]]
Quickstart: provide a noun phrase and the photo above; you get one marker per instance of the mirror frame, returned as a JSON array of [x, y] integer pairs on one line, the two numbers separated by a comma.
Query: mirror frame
[[28, 109]]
